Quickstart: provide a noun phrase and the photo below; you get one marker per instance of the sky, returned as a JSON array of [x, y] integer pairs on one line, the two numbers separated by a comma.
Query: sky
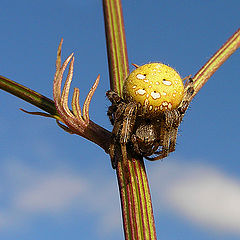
[[54, 185]]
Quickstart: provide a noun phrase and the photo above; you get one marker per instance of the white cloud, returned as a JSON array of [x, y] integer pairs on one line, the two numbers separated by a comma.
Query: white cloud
[[200, 193], [32, 192], [51, 193]]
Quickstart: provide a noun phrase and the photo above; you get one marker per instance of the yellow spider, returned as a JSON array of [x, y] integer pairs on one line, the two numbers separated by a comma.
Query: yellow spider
[[146, 120]]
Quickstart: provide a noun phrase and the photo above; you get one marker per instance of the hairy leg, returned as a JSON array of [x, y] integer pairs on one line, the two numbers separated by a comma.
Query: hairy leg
[[116, 101], [126, 132]]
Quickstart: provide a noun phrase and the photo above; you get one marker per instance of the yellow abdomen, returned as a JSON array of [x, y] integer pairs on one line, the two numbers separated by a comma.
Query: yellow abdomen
[[155, 87]]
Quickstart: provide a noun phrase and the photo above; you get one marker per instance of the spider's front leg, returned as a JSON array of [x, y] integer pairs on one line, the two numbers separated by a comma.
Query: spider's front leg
[[124, 119], [114, 148], [125, 135], [189, 91], [115, 113], [127, 127], [115, 99]]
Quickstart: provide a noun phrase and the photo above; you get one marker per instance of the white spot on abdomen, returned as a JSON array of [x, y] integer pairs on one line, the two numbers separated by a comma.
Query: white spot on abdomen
[[166, 82], [141, 76], [141, 91], [155, 95]]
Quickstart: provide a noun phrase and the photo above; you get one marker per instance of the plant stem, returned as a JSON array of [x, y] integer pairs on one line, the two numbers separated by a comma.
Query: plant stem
[[116, 44], [136, 201], [28, 95], [138, 220], [202, 76], [95, 133]]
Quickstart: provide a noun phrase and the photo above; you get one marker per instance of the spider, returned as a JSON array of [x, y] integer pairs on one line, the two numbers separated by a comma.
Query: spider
[[146, 119]]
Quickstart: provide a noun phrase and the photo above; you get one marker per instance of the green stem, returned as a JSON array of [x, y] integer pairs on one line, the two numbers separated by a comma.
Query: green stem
[[138, 220], [28, 95], [116, 44], [95, 133], [228, 48]]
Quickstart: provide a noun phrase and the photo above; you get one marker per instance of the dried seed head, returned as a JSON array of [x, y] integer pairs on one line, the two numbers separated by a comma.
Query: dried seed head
[[155, 87]]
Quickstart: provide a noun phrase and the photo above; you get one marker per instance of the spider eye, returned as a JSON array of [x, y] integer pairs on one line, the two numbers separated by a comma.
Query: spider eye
[[155, 87]]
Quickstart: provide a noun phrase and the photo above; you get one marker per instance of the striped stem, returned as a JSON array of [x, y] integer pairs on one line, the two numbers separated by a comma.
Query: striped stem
[[137, 212]]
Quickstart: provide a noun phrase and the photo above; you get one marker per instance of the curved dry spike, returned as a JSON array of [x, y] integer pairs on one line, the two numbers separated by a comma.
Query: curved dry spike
[[76, 106], [43, 114], [73, 121], [58, 80], [58, 61], [88, 99], [66, 88]]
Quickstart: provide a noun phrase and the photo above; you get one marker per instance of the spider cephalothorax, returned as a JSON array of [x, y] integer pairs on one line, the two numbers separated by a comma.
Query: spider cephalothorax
[[146, 119]]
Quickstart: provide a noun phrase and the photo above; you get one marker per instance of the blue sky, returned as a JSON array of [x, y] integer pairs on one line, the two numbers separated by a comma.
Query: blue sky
[[54, 185]]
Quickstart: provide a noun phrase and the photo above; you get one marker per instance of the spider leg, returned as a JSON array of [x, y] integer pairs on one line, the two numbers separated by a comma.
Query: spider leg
[[177, 118], [118, 118], [179, 113], [189, 90], [113, 97], [110, 113], [127, 126], [162, 154], [124, 119], [115, 100], [187, 79], [173, 139], [154, 151], [155, 147], [126, 131], [172, 119], [168, 134], [128, 122], [164, 151]]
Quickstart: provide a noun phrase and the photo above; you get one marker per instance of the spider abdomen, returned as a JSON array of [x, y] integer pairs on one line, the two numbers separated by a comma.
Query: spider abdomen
[[155, 88]]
